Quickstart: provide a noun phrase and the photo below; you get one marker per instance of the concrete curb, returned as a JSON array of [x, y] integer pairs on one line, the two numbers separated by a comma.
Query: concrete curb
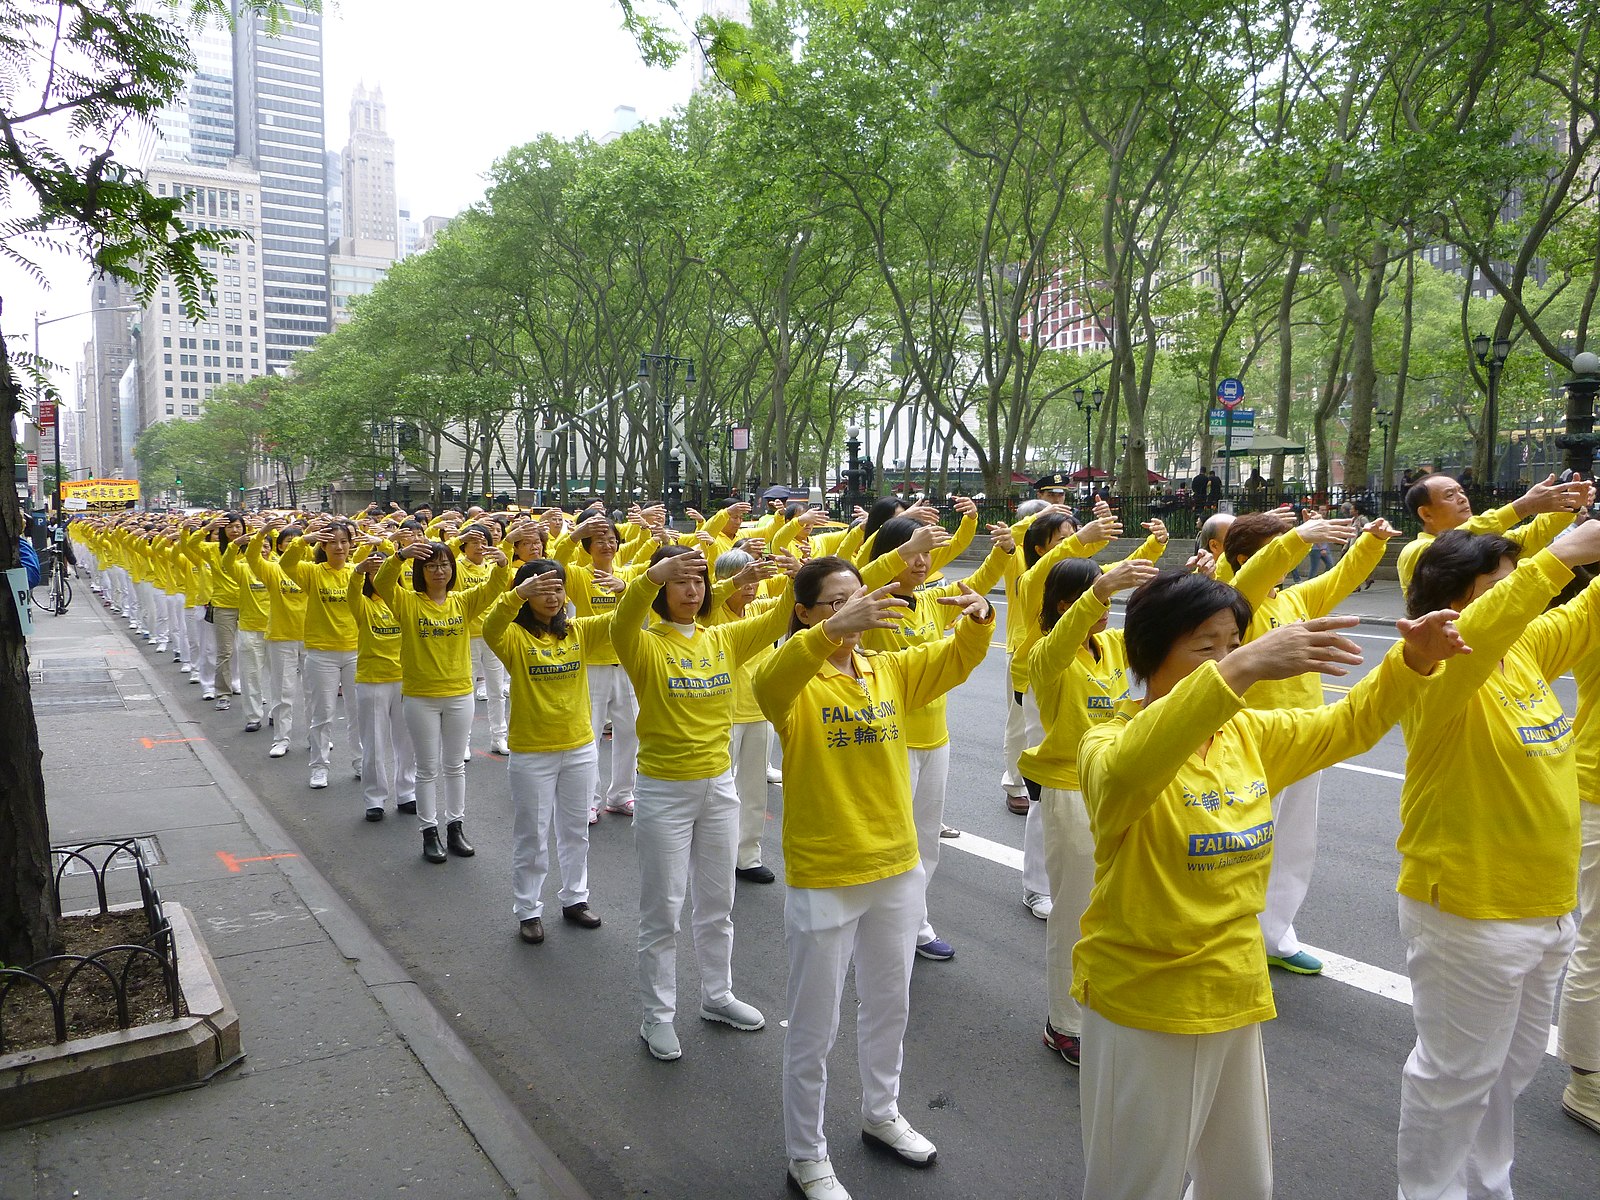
[[526, 1164]]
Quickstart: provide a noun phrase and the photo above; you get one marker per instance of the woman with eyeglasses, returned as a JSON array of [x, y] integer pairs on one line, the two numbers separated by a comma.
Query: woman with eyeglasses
[[853, 873], [436, 679]]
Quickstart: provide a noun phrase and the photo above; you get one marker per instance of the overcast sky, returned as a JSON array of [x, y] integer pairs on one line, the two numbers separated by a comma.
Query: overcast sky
[[463, 83]]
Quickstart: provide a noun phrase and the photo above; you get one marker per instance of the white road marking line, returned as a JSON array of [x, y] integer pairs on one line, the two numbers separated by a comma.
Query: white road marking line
[[1371, 637], [1362, 976], [1347, 766]]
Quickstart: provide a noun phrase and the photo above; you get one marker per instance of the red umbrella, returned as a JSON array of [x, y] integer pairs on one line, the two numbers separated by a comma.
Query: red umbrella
[[1156, 477], [1083, 474]]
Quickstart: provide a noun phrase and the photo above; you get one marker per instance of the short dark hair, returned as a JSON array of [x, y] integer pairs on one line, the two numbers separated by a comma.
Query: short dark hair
[[286, 535], [808, 583], [344, 527], [1248, 534], [892, 534], [1171, 605], [659, 604], [1067, 580], [1418, 494], [1451, 564], [1039, 533], [557, 625], [882, 510], [419, 578]]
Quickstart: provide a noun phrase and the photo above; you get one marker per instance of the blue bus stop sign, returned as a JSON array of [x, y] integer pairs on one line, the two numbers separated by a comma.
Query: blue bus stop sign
[[1230, 393]]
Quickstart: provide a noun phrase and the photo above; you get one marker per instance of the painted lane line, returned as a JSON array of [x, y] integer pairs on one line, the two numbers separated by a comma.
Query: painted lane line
[[1381, 774], [1364, 977]]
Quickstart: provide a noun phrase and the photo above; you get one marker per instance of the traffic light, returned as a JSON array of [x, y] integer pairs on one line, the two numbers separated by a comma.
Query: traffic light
[[177, 482]]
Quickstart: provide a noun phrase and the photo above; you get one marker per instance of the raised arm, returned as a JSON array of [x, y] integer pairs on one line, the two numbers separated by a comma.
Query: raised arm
[[1265, 569], [388, 577], [751, 634], [1319, 595]]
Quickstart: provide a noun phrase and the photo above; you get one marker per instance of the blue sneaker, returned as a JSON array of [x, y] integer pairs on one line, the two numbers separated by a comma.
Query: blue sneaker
[[938, 950], [1300, 963]]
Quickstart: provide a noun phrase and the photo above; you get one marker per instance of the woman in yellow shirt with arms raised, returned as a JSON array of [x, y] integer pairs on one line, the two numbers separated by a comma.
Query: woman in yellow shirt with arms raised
[[1170, 968]]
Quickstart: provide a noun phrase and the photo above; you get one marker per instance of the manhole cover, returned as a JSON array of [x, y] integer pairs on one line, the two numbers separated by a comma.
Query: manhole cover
[[75, 697], [96, 852]]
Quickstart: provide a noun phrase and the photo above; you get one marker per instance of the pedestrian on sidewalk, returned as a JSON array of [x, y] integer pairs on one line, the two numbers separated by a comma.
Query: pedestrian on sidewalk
[[331, 640], [286, 623], [388, 762]]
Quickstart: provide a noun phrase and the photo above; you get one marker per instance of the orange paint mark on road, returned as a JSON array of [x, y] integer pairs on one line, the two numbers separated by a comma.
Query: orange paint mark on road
[[233, 863], [152, 743]]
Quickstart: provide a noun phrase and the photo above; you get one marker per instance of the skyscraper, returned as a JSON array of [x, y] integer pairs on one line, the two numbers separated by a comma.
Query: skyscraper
[[198, 127], [368, 169], [278, 102]]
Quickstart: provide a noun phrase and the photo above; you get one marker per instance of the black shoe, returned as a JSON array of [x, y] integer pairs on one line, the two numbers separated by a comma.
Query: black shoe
[[581, 914], [409, 807], [374, 814], [457, 841], [531, 931], [431, 849], [756, 874]]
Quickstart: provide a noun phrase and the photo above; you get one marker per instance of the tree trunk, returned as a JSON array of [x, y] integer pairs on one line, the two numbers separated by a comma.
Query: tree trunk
[[27, 913]]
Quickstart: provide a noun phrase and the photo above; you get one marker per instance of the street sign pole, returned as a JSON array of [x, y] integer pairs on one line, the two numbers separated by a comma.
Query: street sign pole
[[1230, 394]]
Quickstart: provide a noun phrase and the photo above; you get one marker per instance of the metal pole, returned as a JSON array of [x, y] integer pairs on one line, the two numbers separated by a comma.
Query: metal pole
[[1227, 448]]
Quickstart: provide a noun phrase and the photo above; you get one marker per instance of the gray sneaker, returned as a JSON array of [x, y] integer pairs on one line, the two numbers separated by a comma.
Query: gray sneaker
[[734, 1012], [662, 1040]]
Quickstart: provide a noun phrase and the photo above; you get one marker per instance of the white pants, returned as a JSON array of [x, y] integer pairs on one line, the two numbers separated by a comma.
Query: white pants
[[550, 789], [1015, 740], [439, 728], [1482, 993], [611, 699], [824, 928], [1035, 877], [285, 661], [326, 671], [493, 672], [172, 630], [250, 650], [202, 643], [146, 613], [1579, 1042], [687, 836], [1294, 853], [749, 753], [1069, 862], [388, 766], [930, 770], [1155, 1105]]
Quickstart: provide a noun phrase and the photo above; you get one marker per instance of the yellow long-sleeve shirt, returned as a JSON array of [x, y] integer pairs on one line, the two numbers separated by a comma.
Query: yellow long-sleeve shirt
[[745, 707], [589, 599], [1303, 602], [435, 648], [549, 687], [847, 777], [927, 620], [1074, 689], [330, 623], [286, 603], [1179, 799], [1586, 725], [253, 601], [377, 634], [1030, 594], [1534, 536], [224, 582], [685, 684], [468, 576], [1489, 807]]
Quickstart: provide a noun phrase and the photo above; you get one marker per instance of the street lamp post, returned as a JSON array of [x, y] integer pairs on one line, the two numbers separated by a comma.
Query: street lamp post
[[665, 365], [1578, 440], [1088, 407], [1492, 357], [852, 469], [1385, 421]]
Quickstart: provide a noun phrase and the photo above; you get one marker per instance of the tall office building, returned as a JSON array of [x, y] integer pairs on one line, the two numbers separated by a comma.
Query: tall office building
[[198, 127], [278, 102], [368, 169]]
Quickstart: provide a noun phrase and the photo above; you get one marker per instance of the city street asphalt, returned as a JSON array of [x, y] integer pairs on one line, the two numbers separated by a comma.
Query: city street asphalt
[[557, 1025]]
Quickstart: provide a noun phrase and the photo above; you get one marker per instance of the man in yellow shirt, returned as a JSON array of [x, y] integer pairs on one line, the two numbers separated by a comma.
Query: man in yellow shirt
[[1441, 503]]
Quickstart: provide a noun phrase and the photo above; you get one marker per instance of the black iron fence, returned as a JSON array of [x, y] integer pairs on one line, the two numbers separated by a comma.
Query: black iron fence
[[72, 983]]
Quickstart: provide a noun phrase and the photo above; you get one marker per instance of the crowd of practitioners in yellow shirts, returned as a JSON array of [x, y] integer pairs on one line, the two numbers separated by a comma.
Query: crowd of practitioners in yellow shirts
[[1168, 771]]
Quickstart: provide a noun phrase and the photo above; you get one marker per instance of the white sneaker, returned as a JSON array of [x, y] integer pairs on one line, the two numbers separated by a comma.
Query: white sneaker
[[208, 694], [662, 1040], [899, 1138], [1581, 1099], [773, 774], [319, 777], [815, 1180], [279, 749], [483, 692], [1038, 903], [734, 1012], [498, 746]]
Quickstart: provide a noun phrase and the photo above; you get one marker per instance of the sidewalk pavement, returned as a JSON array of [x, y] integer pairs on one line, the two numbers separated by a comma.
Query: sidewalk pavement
[[351, 1082]]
